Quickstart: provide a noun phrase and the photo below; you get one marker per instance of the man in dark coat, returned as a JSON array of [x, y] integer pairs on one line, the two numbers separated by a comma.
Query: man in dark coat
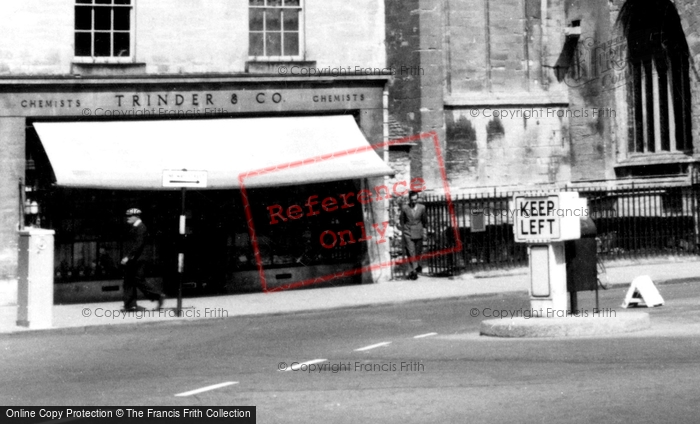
[[134, 265], [413, 225]]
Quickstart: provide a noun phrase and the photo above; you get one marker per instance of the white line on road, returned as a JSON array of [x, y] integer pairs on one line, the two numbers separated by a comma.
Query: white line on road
[[420, 336], [296, 366], [205, 389], [372, 346]]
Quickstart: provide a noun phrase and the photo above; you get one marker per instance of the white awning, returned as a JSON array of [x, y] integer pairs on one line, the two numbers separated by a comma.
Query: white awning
[[134, 154]]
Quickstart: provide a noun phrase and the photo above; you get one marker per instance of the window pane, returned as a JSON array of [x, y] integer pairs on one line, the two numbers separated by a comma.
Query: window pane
[[291, 2], [256, 19], [291, 20], [257, 2], [274, 43], [103, 18], [638, 108], [256, 45], [122, 18], [663, 107], [102, 43], [82, 44], [84, 1], [273, 3], [122, 1], [291, 44], [83, 17], [103, 1], [121, 44], [649, 110], [273, 19]]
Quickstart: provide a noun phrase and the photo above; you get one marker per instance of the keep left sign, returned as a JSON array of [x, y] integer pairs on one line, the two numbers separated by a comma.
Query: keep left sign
[[548, 218]]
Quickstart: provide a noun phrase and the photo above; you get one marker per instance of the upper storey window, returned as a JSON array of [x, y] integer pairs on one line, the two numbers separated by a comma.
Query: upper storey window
[[103, 30], [275, 29], [659, 95]]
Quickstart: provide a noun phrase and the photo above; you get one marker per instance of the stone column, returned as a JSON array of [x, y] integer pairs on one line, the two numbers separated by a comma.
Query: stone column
[[12, 162]]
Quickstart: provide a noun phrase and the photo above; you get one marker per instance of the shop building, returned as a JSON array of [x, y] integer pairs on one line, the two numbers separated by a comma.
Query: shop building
[[99, 97]]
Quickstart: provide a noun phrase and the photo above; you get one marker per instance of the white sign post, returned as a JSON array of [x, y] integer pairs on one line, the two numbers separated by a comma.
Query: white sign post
[[183, 179], [545, 222]]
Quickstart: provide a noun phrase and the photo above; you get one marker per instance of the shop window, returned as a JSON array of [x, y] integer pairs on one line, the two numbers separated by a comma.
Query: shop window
[[90, 227], [659, 87], [297, 242], [275, 29], [104, 30]]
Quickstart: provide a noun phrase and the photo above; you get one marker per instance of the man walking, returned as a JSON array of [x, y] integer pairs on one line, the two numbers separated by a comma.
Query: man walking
[[413, 224], [134, 265]]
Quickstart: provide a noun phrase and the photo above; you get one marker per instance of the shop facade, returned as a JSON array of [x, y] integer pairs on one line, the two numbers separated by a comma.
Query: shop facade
[[77, 152]]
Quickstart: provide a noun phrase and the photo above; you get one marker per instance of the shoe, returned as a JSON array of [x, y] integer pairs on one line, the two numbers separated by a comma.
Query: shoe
[[413, 276], [134, 309], [161, 299], [419, 269]]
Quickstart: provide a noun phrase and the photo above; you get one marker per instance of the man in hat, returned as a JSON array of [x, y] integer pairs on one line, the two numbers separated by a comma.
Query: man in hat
[[134, 265]]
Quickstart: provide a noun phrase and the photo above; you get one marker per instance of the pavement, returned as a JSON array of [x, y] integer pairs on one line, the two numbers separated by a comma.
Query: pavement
[[85, 315]]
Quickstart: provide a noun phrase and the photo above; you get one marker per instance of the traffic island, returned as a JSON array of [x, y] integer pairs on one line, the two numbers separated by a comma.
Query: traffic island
[[570, 326]]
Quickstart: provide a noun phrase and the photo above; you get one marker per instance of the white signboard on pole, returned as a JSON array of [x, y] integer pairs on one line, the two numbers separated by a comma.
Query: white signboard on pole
[[184, 178], [548, 218]]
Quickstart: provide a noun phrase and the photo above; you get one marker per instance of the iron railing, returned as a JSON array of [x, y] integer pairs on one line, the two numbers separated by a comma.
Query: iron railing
[[632, 222]]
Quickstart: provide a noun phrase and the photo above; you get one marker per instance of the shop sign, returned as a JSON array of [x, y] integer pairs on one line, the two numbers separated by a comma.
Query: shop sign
[[184, 178], [548, 218]]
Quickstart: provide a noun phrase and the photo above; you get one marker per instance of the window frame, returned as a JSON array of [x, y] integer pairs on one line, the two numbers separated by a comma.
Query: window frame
[[656, 111], [658, 91], [92, 59], [301, 31]]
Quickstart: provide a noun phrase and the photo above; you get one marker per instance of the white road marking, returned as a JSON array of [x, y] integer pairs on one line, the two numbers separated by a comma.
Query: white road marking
[[297, 366], [424, 335], [372, 346], [205, 389]]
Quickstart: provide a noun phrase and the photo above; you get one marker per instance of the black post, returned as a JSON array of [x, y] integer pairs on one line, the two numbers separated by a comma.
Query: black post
[[181, 254], [573, 299], [597, 304]]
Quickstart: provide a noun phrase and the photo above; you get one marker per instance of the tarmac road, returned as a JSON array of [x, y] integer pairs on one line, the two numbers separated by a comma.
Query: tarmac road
[[381, 364]]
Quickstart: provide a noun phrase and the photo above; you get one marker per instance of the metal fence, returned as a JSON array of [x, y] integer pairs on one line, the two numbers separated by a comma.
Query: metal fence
[[631, 222]]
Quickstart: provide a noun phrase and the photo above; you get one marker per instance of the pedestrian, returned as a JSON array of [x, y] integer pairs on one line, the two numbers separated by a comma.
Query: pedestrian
[[135, 265], [414, 227]]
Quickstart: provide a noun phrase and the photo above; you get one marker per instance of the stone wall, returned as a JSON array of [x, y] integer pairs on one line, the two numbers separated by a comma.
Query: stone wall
[[592, 93], [11, 170], [689, 13], [38, 36], [487, 150], [402, 44], [505, 109]]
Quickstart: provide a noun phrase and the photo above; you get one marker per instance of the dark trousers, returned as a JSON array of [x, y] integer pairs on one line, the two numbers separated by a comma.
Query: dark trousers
[[414, 248], [135, 278]]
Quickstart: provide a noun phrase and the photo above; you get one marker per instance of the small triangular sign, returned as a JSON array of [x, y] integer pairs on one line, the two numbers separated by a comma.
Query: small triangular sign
[[642, 292]]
